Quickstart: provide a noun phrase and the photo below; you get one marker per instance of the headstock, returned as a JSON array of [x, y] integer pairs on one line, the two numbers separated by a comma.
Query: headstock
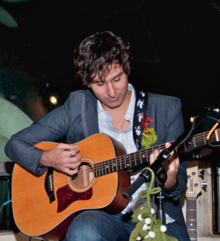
[[193, 185]]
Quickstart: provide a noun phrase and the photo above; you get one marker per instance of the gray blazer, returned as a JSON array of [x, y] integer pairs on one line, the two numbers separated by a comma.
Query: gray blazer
[[78, 119]]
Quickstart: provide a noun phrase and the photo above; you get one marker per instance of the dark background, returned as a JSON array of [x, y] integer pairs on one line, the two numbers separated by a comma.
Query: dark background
[[175, 46]]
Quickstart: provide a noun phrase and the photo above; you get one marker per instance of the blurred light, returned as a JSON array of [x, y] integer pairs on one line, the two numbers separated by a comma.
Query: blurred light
[[7, 19], [53, 100], [192, 119]]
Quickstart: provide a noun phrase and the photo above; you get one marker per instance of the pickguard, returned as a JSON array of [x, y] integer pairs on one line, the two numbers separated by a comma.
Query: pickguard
[[66, 196]]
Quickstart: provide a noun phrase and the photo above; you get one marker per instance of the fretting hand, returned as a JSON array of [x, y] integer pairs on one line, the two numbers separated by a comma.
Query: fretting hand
[[171, 167]]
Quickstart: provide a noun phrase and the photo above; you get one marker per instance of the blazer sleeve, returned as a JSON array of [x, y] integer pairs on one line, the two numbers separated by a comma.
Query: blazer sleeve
[[175, 127], [20, 147]]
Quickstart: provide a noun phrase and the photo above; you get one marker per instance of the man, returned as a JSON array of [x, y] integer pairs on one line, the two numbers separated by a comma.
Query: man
[[102, 62]]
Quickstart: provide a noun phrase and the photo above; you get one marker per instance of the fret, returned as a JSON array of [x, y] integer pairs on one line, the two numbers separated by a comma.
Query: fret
[[138, 158], [108, 167], [135, 159], [216, 135], [122, 160], [193, 139], [191, 221], [102, 172], [190, 143], [130, 157], [104, 168], [96, 170], [111, 167], [115, 165], [204, 137], [120, 163], [126, 164], [144, 157]]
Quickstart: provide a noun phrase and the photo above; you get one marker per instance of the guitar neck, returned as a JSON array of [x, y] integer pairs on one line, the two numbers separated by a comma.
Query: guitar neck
[[200, 140], [142, 156], [191, 220]]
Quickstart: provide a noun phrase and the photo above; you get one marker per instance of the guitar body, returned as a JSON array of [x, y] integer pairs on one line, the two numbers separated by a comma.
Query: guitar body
[[45, 205]]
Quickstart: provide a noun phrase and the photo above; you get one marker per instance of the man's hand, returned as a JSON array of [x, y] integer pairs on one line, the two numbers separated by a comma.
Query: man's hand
[[171, 166], [64, 158]]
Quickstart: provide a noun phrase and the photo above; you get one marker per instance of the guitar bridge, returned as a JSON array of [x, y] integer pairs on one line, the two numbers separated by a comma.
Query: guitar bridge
[[49, 184]]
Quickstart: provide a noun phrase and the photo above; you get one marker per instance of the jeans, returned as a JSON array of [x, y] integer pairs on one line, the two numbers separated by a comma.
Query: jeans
[[96, 225]]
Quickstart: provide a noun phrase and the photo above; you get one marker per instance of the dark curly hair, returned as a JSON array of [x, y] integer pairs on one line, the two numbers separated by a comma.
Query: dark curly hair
[[97, 52]]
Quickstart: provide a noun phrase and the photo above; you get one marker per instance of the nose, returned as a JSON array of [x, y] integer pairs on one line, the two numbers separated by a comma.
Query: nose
[[111, 91]]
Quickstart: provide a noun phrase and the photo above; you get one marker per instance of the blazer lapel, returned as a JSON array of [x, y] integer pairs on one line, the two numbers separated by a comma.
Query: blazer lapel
[[89, 115]]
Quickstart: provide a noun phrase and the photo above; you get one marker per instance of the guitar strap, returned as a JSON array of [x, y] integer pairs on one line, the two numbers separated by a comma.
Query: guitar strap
[[140, 109]]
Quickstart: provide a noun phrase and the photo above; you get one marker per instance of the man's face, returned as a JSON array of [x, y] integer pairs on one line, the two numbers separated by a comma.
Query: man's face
[[112, 91]]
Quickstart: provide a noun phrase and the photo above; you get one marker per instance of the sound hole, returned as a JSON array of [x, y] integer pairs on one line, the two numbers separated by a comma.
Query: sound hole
[[84, 179]]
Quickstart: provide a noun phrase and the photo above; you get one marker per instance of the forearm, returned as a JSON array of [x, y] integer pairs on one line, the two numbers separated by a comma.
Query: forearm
[[23, 153]]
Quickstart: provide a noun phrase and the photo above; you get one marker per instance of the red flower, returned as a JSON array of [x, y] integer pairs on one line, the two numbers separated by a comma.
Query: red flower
[[145, 122]]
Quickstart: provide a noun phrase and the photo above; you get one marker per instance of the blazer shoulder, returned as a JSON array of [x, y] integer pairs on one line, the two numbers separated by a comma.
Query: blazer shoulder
[[75, 98], [163, 100], [78, 93]]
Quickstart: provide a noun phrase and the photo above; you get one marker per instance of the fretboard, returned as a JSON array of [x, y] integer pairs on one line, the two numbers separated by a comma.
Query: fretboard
[[142, 156], [191, 220]]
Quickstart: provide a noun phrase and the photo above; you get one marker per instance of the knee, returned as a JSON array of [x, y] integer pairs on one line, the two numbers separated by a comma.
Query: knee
[[85, 226]]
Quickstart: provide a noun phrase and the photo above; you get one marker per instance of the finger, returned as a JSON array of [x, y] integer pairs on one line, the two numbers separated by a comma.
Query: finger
[[73, 166], [73, 151], [69, 147], [75, 160], [75, 148], [154, 155], [172, 156], [70, 172], [166, 165]]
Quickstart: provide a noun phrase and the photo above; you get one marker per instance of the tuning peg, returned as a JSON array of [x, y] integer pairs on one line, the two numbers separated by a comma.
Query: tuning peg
[[204, 184], [202, 173]]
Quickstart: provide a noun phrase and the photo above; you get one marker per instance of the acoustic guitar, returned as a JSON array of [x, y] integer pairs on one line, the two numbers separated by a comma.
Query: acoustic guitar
[[45, 205]]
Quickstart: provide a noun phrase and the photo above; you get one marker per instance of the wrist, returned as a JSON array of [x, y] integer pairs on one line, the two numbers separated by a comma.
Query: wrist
[[42, 159], [172, 187]]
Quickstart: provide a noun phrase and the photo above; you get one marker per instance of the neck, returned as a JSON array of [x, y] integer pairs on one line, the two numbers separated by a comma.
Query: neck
[[122, 109]]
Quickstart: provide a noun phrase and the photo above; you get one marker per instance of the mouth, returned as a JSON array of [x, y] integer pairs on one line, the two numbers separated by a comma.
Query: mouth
[[113, 99]]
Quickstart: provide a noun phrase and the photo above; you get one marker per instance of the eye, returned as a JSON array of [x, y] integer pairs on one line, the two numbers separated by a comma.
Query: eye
[[116, 80], [100, 84]]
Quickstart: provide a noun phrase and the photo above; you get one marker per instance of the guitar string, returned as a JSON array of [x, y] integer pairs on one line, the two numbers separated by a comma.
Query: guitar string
[[103, 164], [107, 162], [199, 139], [101, 173], [99, 166]]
